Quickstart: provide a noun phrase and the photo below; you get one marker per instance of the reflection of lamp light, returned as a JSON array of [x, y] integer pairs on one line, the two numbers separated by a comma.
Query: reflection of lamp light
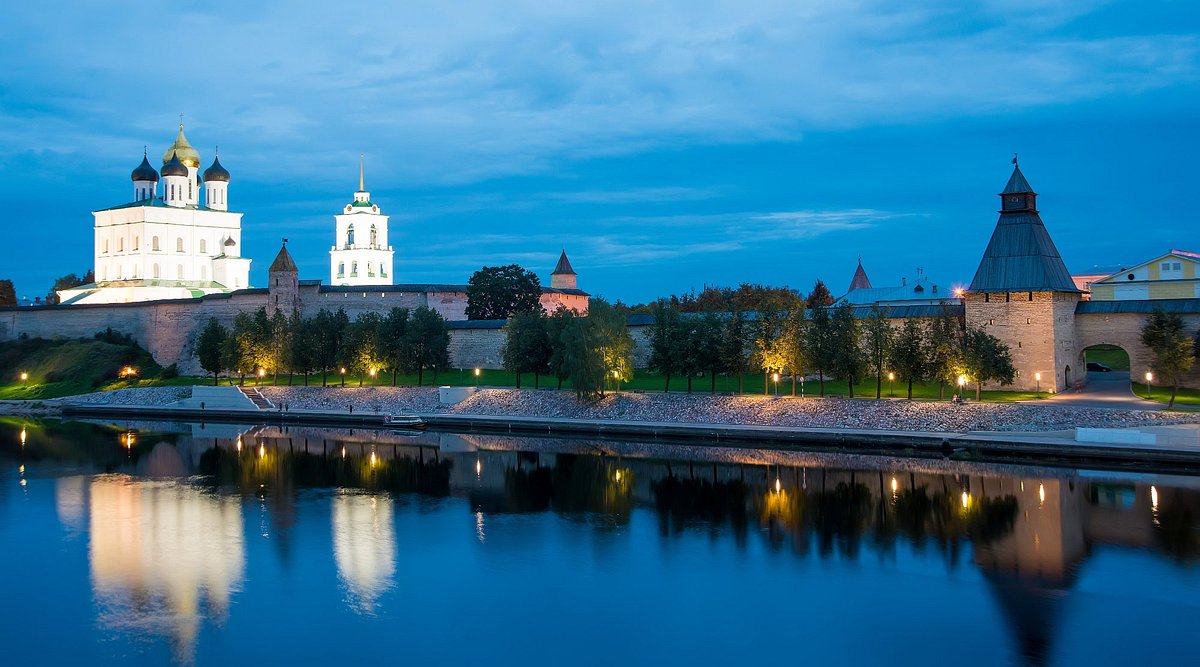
[[262, 451], [778, 485], [617, 477], [895, 485], [478, 467], [1041, 494], [22, 437], [966, 499], [1154, 498]]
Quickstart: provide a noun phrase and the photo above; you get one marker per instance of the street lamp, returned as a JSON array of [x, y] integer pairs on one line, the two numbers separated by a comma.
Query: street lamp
[[775, 379], [476, 378], [343, 370], [24, 379], [1037, 377], [616, 380], [891, 383], [372, 376], [962, 382], [1149, 385], [262, 372]]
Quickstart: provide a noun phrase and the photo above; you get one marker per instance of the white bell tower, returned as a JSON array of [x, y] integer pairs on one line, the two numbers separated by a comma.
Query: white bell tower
[[361, 254]]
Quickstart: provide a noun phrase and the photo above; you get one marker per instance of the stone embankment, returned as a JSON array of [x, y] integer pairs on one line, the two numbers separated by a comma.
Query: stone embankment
[[750, 410]]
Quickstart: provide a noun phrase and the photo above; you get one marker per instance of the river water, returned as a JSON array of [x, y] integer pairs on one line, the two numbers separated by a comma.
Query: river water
[[151, 543]]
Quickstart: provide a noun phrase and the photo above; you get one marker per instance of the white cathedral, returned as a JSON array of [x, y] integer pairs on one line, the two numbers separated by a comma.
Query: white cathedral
[[168, 245], [361, 254]]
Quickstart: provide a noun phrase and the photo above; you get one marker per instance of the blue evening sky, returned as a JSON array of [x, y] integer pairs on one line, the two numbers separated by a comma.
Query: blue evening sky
[[665, 145]]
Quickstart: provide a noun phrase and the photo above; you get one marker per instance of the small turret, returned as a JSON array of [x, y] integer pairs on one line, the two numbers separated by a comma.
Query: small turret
[[283, 285], [216, 185], [176, 188], [563, 276], [145, 180]]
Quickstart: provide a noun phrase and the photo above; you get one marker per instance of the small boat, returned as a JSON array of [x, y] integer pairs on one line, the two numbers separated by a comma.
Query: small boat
[[404, 421]]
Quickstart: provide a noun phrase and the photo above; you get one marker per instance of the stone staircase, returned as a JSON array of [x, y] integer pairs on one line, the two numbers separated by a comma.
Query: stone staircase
[[256, 397], [217, 398]]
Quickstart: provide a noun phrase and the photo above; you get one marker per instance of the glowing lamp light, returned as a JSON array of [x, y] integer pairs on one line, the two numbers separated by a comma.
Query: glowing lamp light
[[962, 380], [775, 377], [966, 500], [476, 372], [239, 444], [959, 292], [895, 485], [373, 459], [23, 437], [1037, 376], [261, 372], [372, 371], [1041, 493], [1149, 376], [891, 376], [478, 467], [778, 485], [24, 376], [617, 477], [343, 369]]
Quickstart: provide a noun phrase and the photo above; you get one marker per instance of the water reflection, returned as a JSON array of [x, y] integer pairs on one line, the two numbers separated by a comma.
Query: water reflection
[[364, 547], [167, 530], [163, 555]]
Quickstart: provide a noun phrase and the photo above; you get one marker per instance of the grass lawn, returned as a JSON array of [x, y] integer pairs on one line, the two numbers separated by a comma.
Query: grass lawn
[[1109, 355], [642, 381], [1157, 394]]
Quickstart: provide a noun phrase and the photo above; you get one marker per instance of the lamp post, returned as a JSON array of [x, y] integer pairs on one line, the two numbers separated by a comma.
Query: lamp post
[[476, 378], [616, 380], [24, 379], [262, 372], [775, 379], [343, 370], [891, 384], [1037, 377], [372, 377], [1149, 385], [962, 382]]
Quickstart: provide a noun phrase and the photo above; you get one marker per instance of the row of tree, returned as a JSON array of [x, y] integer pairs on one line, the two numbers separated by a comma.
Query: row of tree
[[400, 341], [588, 351], [827, 343]]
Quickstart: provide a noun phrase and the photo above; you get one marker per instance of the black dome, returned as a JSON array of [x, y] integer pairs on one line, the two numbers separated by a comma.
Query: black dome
[[144, 172], [174, 167], [216, 172]]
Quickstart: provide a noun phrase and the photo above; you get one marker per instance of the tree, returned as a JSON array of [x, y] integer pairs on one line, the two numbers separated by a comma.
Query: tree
[[612, 334], [668, 342], [909, 356], [67, 282], [557, 325], [363, 340], [393, 341], [846, 360], [943, 350], [300, 354], [986, 359], [526, 346], [8, 294], [819, 342], [238, 352], [877, 337], [733, 346], [769, 353], [323, 340], [794, 351], [279, 343], [1174, 351], [580, 357], [497, 292], [209, 347], [428, 342], [819, 297]]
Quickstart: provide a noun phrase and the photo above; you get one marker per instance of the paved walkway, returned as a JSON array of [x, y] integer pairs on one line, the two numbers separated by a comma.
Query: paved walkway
[[1104, 390]]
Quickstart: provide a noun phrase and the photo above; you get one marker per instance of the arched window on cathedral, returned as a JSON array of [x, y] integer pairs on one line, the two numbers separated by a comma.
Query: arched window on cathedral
[[105, 246], [120, 245], [350, 235], [137, 240], [341, 269], [203, 246], [157, 273], [353, 269], [179, 245], [374, 236], [154, 243], [370, 269], [179, 272]]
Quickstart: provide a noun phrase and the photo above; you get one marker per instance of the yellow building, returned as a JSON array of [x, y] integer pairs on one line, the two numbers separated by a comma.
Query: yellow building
[[1169, 276]]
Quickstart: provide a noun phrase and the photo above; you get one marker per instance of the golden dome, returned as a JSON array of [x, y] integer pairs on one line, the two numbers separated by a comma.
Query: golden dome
[[183, 150]]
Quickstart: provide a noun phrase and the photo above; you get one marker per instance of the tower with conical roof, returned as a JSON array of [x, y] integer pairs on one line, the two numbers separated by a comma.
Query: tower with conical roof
[[1023, 294], [283, 283], [860, 280], [360, 254], [563, 276]]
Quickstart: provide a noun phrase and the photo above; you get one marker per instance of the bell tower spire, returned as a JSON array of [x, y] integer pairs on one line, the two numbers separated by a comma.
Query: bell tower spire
[[361, 186]]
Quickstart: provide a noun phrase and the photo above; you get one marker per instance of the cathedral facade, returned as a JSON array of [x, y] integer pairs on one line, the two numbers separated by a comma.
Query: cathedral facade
[[182, 242]]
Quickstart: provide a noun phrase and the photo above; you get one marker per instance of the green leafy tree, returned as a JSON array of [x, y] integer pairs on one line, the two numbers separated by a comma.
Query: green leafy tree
[[581, 358], [393, 341], [794, 351], [428, 343], [986, 359], [769, 347], [734, 346], [323, 342], [877, 339], [497, 292], [847, 360], [209, 347], [366, 352], [8, 294], [527, 346], [943, 350], [340, 338], [668, 342], [819, 343], [1174, 351], [238, 353], [612, 334], [299, 356], [707, 336], [909, 355], [279, 343], [557, 325]]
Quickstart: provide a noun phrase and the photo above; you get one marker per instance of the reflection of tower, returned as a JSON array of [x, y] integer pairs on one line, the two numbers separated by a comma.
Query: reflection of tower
[[155, 548], [1032, 568], [364, 547]]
